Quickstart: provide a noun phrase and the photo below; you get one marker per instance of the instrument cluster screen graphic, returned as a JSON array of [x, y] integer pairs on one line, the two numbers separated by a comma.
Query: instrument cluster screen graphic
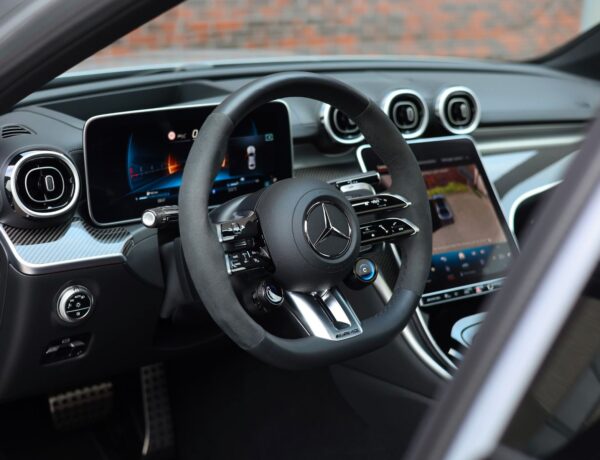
[[155, 163], [136, 161]]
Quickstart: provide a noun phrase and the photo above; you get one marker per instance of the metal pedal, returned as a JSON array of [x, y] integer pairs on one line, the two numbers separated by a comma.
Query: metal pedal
[[81, 407], [159, 436]]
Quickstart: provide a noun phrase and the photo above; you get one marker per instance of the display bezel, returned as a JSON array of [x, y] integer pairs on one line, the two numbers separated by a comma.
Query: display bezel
[[459, 145], [93, 119]]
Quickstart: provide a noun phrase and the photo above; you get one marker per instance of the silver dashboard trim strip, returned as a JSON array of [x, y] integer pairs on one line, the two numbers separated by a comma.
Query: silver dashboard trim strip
[[432, 341], [359, 157], [408, 335], [525, 196], [532, 143], [421, 319], [30, 268]]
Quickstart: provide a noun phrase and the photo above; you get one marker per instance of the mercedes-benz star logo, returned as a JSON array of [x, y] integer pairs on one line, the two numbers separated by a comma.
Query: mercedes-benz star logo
[[327, 229]]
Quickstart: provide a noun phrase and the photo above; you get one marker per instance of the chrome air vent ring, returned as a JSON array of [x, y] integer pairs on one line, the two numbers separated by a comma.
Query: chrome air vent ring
[[408, 110], [458, 110], [339, 127], [42, 184]]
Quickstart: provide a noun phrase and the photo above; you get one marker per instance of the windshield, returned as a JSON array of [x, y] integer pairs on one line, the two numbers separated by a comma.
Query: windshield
[[202, 30]]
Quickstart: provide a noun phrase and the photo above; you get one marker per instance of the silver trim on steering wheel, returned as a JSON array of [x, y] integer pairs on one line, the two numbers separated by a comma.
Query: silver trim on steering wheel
[[326, 315]]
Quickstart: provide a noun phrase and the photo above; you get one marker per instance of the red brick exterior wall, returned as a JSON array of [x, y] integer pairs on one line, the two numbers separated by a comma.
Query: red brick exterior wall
[[513, 29]]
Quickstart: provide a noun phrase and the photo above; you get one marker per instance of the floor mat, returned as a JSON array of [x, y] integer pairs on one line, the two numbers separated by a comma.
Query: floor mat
[[239, 408], [26, 433]]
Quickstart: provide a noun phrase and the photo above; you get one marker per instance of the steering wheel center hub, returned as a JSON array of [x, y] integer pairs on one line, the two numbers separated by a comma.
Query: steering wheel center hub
[[311, 231], [327, 229]]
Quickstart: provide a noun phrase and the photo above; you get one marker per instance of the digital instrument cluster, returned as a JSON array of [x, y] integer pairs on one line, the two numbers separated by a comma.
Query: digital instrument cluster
[[135, 160]]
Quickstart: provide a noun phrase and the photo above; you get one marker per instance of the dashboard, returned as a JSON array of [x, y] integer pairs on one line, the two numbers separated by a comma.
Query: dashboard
[[135, 161], [82, 160]]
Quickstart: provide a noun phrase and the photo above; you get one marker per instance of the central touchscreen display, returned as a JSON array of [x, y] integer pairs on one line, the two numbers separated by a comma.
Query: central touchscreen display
[[135, 161], [472, 244], [469, 242]]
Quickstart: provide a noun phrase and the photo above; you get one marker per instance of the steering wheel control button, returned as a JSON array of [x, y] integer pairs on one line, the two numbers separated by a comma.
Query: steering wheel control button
[[74, 304], [268, 295], [365, 270], [386, 229], [327, 229], [363, 274], [240, 244], [370, 177], [244, 227], [381, 202], [246, 260]]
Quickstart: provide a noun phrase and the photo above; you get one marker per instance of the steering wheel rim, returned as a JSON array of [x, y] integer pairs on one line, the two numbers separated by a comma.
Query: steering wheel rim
[[203, 252]]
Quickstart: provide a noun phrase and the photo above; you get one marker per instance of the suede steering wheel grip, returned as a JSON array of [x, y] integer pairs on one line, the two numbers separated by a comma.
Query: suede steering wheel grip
[[204, 255]]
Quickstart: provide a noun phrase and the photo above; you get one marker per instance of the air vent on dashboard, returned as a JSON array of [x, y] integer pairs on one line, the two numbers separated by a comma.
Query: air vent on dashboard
[[458, 110], [42, 184], [339, 126], [13, 130], [408, 110]]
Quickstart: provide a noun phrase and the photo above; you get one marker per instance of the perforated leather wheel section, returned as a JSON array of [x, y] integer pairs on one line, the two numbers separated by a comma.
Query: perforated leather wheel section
[[291, 246]]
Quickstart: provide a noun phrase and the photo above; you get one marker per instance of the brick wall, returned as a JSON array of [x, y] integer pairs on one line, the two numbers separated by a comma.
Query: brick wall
[[515, 29]]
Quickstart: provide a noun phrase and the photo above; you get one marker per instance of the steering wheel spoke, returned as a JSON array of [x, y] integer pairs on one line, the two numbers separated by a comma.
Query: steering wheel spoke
[[327, 315], [381, 202]]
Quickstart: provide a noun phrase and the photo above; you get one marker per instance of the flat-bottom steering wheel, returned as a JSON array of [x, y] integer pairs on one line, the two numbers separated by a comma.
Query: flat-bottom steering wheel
[[307, 233]]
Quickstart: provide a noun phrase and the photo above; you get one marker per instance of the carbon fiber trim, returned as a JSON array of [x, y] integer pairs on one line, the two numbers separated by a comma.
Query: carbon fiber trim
[[71, 245]]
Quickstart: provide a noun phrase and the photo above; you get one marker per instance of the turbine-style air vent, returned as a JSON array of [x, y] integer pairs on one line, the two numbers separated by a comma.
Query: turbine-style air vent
[[458, 110], [42, 184], [339, 126], [408, 110], [14, 130]]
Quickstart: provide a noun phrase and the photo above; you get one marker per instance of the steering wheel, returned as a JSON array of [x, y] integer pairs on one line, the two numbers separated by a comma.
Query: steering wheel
[[307, 234]]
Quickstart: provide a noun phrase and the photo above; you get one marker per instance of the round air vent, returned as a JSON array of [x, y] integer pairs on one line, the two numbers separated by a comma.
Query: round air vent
[[408, 110], [42, 184], [458, 110], [339, 126]]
